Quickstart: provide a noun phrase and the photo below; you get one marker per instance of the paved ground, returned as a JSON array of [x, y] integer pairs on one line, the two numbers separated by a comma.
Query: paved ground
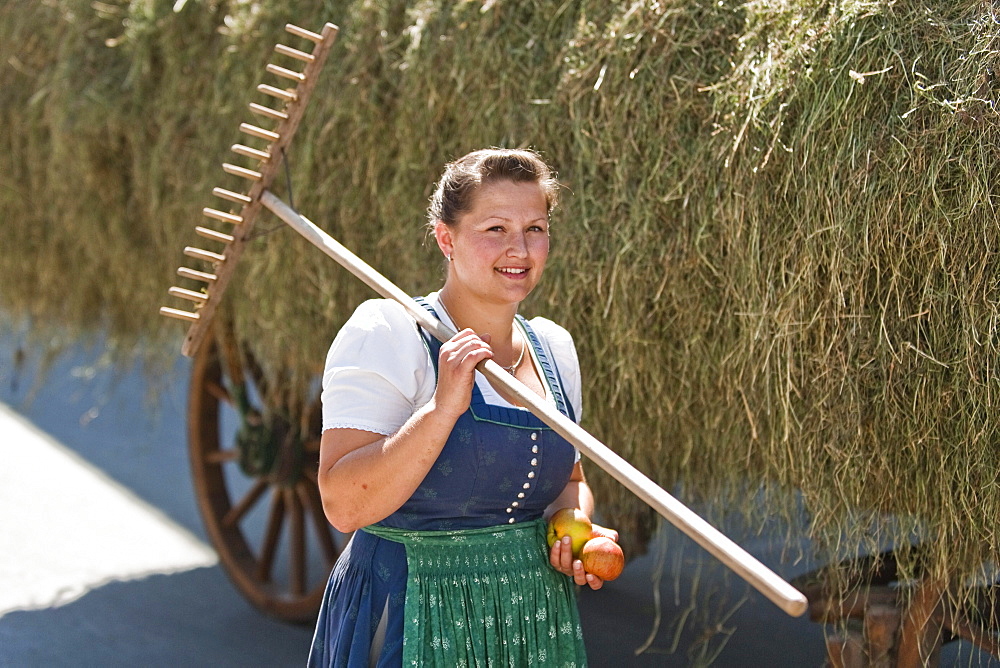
[[104, 561]]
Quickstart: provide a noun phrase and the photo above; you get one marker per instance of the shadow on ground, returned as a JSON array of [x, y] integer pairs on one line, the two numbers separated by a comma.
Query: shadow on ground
[[194, 618]]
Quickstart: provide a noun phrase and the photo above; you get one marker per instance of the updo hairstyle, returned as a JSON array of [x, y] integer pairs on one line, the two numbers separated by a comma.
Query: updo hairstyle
[[463, 177]]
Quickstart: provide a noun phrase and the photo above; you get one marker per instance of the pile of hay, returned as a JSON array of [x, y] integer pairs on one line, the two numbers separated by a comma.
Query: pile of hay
[[777, 251]]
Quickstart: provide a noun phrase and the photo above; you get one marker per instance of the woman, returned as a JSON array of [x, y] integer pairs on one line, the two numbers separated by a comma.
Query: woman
[[447, 485]]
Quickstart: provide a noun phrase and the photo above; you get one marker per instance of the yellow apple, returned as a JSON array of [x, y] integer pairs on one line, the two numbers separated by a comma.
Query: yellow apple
[[603, 557], [571, 522]]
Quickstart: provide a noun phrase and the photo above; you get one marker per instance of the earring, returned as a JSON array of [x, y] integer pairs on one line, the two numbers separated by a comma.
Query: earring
[[448, 256]]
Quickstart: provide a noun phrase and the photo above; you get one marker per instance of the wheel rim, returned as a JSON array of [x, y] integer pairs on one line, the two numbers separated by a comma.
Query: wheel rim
[[268, 528]]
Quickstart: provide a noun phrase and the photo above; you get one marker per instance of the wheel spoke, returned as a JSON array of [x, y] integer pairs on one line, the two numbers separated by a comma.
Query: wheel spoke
[[237, 512], [219, 392], [310, 499], [297, 544], [271, 536], [222, 456], [256, 373]]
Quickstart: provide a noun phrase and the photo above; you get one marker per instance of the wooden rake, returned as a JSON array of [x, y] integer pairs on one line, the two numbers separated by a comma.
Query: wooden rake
[[211, 281], [776, 589]]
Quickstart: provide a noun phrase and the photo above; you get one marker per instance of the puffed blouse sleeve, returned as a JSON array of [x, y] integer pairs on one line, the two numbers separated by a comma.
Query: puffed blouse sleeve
[[378, 371]]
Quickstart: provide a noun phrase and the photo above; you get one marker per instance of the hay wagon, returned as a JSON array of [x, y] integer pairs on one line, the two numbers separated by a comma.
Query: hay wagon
[[276, 440], [277, 437], [253, 450]]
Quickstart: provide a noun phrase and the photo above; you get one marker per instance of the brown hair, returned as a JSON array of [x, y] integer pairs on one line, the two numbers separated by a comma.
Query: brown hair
[[462, 178]]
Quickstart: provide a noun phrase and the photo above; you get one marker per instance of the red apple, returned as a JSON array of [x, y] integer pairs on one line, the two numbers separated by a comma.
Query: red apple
[[603, 557], [571, 522]]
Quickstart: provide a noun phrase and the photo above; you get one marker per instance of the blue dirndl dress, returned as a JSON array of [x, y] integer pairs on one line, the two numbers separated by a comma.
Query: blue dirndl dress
[[500, 466]]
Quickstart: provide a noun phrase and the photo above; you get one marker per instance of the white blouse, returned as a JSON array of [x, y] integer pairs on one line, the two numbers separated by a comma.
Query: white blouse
[[378, 371]]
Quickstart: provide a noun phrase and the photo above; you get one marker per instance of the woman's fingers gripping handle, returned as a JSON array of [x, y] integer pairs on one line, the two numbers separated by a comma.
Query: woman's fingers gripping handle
[[456, 369]]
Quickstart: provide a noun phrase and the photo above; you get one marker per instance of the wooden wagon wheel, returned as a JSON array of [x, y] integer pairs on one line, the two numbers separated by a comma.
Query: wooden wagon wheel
[[254, 474]]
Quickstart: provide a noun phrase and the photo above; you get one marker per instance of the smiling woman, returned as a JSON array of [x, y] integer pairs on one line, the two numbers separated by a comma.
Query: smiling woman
[[446, 483]]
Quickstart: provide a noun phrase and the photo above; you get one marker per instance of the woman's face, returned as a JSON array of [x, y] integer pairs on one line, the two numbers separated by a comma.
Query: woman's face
[[499, 247]]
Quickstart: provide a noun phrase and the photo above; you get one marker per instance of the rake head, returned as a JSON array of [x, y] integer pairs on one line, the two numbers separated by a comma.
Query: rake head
[[240, 207]]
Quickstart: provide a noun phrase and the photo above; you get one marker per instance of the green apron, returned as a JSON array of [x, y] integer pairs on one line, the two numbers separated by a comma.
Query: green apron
[[486, 597]]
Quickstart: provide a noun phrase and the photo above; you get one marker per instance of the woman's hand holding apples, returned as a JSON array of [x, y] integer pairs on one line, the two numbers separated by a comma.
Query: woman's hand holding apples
[[587, 552], [562, 559]]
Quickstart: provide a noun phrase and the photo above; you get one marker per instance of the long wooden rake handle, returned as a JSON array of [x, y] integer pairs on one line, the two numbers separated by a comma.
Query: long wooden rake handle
[[718, 545]]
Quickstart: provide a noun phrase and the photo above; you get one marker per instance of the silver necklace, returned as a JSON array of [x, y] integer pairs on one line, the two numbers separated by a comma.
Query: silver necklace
[[509, 369], [513, 367]]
